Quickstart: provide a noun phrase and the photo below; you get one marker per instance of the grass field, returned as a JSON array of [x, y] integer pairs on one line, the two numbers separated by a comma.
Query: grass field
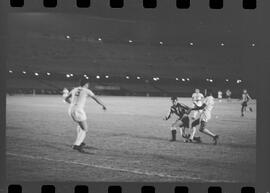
[[128, 142]]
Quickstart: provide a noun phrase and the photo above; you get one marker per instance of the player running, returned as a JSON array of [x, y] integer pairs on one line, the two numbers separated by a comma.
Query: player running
[[206, 108], [77, 99], [245, 99], [197, 98], [182, 121], [228, 94]]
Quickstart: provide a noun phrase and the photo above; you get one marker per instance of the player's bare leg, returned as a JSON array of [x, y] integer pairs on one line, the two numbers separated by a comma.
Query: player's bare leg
[[208, 132]]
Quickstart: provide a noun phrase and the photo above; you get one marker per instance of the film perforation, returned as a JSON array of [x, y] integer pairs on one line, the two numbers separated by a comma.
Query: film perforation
[[148, 189], [216, 4], [48, 189], [81, 189], [249, 4], [50, 3], [16, 3], [14, 188], [83, 3], [181, 189], [183, 4], [114, 189], [247, 190], [149, 4], [116, 3], [214, 189]]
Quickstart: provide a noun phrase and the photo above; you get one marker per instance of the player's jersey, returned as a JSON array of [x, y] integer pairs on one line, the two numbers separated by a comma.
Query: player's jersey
[[228, 93], [245, 97], [209, 102], [179, 110], [219, 94], [197, 98], [65, 92], [79, 96]]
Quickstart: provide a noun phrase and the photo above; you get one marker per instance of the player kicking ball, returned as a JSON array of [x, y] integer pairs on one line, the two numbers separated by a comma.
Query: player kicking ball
[[77, 99], [182, 121], [206, 108]]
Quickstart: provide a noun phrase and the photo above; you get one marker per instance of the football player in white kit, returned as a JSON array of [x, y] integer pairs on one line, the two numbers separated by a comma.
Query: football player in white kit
[[197, 98], [206, 108], [77, 99]]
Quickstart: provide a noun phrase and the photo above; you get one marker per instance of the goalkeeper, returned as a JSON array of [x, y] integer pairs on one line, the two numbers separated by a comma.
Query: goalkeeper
[[181, 111]]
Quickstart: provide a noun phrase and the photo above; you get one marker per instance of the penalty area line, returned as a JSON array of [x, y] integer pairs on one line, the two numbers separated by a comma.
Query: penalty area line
[[139, 172]]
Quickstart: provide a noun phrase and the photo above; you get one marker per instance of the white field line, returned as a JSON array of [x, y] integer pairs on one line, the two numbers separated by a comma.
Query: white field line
[[147, 173]]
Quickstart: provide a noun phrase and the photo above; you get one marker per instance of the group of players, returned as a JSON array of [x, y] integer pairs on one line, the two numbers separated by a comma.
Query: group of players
[[201, 114]]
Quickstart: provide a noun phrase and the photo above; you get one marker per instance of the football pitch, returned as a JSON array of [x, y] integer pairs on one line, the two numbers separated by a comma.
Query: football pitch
[[128, 142]]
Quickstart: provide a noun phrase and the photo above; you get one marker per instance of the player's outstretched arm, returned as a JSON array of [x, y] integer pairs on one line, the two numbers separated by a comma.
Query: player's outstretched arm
[[98, 101], [199, 108], [68, 98]]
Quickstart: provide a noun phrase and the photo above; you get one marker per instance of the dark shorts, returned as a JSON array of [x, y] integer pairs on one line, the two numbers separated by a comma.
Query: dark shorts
[[185, 121], [244, 104]]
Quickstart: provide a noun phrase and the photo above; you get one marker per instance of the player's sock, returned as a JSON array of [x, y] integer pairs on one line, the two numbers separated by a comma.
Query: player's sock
[[81, 137], [193, 132], [78, 129], [173, 134]]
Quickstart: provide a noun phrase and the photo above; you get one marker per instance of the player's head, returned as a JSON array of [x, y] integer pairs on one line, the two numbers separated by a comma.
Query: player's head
[[84, 82], [197, 90], [245, 91], [174, 99]]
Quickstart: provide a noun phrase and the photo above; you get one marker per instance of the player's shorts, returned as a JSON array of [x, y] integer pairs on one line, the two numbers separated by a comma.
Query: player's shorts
[[77, 114], [205, 116], [244, 103], [185, 121]]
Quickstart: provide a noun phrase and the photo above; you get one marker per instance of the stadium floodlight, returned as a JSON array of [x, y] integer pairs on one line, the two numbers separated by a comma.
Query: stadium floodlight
[[183, 79], [161, 43], [191, 43], [253, 44], [36, 74], [177, 79], [207, 79], [210, 80], [227, 80], [87, 77], [23, 72], [127, 77], [71, 75], [130, 41], [222, 44], [67, 75], [188, 79], [138, 77], [107, 76], [68, 37], [238, 81], [99, 39], [97, 77], [48, 73], [10, 71]]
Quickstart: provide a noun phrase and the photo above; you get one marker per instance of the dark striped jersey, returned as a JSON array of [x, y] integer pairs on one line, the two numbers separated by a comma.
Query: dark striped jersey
[[179, 110]]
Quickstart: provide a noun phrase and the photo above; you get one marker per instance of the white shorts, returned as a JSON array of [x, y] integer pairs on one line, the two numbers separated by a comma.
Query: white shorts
[[205, 116], [77, 114]]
